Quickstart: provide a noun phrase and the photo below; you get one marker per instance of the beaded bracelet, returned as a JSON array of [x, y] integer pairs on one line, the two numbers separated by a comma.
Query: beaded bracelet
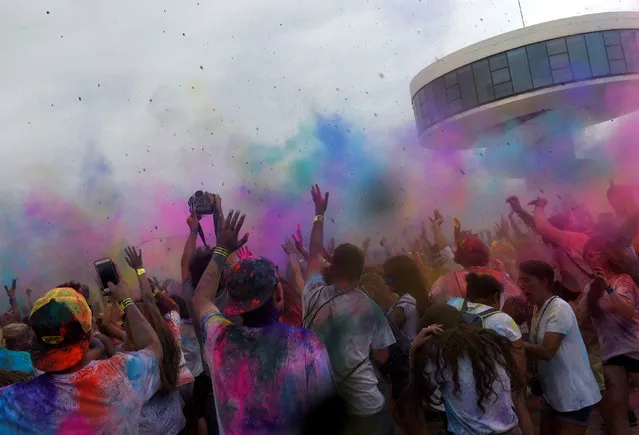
[[125, 303], [221, 251], [318, 218]]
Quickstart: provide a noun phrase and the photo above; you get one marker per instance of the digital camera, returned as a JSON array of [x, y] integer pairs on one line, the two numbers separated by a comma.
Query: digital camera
[[201, 204]]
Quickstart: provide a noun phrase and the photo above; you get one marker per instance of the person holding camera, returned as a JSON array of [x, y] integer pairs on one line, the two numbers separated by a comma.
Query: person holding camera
[[564, 377]]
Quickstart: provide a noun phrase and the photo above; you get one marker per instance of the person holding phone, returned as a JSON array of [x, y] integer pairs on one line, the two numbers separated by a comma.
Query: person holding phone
[[76, 393]]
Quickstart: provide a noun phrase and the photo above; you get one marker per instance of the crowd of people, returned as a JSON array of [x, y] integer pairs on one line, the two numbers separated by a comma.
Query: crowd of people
[[465, 333]]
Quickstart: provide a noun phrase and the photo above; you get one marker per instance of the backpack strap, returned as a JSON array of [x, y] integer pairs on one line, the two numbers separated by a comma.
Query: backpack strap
[[486, 314]]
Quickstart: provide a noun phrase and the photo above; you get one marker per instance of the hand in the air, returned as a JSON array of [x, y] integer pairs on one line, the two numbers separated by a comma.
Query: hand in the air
[[227, 238], [133, 258], [321, 202], [11, 291]]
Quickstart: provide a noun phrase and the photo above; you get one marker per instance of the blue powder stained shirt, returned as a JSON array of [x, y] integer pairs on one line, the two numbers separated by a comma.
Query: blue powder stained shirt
[[13, 360]]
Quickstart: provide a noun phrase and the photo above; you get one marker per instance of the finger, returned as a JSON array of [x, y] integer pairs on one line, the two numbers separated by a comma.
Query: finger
[[228, 219], [243, 240], [111, 285], [13, 284], [239, 224], [326, 197], [233, 223]]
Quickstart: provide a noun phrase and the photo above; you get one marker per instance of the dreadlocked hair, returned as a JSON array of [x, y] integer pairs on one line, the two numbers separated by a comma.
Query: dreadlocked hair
[[484, 348]]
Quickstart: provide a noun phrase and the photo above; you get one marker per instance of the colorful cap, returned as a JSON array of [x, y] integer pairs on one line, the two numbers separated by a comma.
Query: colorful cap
[[61, 321], [249, 284]]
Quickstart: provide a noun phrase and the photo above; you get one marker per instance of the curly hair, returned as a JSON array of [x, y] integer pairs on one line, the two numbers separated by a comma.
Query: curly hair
[[170, 364], [485, 349]]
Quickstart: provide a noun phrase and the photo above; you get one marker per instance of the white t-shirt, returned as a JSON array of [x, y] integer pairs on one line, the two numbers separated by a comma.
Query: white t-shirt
[[350, 326], [408, 304], [499, 322], [617, 336], [463, 413], [162, 414], [567, 379]]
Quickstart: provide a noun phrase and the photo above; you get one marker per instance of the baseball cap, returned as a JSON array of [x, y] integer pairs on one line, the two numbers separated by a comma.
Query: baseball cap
[[249, 284], [61, 321]]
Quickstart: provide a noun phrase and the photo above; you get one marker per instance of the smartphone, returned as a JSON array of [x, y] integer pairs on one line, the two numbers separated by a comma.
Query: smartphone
[[107, 273]]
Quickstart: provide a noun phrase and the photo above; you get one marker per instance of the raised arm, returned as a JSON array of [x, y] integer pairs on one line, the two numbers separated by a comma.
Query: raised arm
[[227, 243], [562, 238], [191, 243], [133, 258], [317, 233], [516, 207], [436, 222], [517, 232], [142, 332], [11, 292], [294, 264]]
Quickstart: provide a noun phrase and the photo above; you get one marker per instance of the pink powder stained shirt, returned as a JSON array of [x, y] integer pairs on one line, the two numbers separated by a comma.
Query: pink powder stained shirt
[[616, 335], [453, 285], [265, 380]]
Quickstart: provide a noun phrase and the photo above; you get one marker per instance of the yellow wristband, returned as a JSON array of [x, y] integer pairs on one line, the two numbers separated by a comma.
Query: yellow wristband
[[221, 251], [125, 303], [318, 218], [140, 271], [155, 292]]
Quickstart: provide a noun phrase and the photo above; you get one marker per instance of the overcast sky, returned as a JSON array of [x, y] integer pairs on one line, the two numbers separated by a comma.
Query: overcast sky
[[245, 67], [141, 83]]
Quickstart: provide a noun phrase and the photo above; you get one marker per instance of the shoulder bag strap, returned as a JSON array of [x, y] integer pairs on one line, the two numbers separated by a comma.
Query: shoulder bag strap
[[541, 317], [353, 370], [310, 322]]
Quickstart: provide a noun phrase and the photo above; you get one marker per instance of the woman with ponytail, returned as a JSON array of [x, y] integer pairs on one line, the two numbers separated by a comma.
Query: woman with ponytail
[[564, 375], [611, 301]]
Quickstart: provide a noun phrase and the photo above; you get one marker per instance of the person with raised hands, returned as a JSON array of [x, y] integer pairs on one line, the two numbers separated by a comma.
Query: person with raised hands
[[164, 411], [353, 327], [266, 375], [78, 394]]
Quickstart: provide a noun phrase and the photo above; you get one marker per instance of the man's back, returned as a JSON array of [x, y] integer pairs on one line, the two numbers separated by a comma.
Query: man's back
[[102, 397], [350, 325], [265, 379]]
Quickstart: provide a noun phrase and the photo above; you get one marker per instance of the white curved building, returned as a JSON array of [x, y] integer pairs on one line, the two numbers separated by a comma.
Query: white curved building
[[585, 68]]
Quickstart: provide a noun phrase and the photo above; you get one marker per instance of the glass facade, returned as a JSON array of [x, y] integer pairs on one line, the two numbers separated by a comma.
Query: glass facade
[[548, 63]]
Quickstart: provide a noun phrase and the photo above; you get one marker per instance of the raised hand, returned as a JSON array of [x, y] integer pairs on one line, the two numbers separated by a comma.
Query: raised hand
[[133, 258], [539, 202], [192, 221], [11, 291], [437, 218], [288, 246], [367, 244], [244, 252], [514, 203], [298, 238], [227, 238], [321, 202]]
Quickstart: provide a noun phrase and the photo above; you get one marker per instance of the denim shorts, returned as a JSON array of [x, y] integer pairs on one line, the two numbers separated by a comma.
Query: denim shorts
[[580, 417]]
